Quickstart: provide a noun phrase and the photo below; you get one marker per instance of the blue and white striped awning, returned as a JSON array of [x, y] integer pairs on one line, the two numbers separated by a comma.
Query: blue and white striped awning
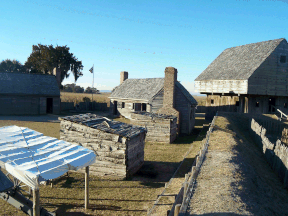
[[31, 157]]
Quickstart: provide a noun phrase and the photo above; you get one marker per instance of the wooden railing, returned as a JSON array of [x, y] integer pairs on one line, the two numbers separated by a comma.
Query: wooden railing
[[282, 114]]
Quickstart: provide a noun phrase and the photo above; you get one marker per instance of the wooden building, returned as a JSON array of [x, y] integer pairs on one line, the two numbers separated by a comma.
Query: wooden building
[[160, 127], [157, 95], [119, 147], [252, 78], [28, 94]]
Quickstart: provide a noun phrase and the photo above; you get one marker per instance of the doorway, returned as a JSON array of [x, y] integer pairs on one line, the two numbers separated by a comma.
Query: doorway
[[272, 102], [114, 107], [49, 105]]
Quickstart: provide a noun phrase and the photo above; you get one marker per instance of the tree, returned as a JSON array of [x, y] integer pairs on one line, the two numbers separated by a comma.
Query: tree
[[73, 88], [12, 66], [44, 59], [91, 90]]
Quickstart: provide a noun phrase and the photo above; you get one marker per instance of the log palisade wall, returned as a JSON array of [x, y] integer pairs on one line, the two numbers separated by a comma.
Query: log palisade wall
[[276, 153], [119, 147], [160, 127]]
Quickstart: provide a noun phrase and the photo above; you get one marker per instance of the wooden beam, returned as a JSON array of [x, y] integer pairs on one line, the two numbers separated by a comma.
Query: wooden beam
[[87, 187], [36, 202]]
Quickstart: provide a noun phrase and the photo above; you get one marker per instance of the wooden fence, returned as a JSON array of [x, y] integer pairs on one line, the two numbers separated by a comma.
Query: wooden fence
[[275, 154], [83, 106], [183, 198]]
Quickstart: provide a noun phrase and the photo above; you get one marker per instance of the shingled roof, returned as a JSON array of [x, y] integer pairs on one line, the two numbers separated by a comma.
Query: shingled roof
[[28, 84], [239, 63], [145, 89]]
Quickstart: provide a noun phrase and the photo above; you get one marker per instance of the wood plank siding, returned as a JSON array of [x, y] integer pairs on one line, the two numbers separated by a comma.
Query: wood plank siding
[[157, 101], [222, 86], [271, 77]]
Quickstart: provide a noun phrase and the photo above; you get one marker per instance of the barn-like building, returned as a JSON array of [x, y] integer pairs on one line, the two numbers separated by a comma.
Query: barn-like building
[[157, 95], [252, 78], [28, 94]]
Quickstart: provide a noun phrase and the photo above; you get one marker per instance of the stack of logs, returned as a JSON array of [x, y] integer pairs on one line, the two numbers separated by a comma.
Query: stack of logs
[[119, 147], [160, 127]]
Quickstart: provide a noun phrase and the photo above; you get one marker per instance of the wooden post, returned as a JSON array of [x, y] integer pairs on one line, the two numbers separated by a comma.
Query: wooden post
[[87, 187], [36, 202], [185, 190], [193, 170], [177, 209]]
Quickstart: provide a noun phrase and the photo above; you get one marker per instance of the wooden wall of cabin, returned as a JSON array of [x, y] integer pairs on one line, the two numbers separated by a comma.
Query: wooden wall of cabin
[[255, 104], [187, 119], [157, 102], [222, 86], [19, 105], [271, 78], [126, 107], [216, 103]]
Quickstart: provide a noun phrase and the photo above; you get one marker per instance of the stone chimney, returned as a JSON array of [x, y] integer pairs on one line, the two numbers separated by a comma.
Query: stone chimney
[[169, 86], [123, 76], [169, 94], [57, 73]]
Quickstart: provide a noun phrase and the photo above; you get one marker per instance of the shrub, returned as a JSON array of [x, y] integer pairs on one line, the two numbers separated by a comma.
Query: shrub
[[86, 99]]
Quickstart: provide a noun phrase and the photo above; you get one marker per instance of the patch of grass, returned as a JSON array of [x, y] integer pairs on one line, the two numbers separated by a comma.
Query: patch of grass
[[78, 97]]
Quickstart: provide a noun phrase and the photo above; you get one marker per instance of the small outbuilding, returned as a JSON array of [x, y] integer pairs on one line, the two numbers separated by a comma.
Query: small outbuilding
[[252, 78], [160, 127], [28, 94], [156, 95], [119, 147]]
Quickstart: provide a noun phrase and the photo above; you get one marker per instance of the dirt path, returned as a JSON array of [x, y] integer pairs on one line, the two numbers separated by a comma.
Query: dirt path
[[235, 178]]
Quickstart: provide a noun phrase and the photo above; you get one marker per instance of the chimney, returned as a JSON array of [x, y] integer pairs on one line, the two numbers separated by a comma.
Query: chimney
[[123, 76], [57, 73], [169, 86], [169, 95]]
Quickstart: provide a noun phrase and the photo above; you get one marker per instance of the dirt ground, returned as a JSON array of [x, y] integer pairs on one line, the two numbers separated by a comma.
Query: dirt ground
[[235, 178]]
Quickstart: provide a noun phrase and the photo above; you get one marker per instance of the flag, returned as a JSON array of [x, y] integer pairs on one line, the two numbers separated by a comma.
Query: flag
[[91, 70]]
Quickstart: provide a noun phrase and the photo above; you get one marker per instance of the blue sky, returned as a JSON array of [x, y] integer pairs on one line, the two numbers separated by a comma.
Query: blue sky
[[141, 37]]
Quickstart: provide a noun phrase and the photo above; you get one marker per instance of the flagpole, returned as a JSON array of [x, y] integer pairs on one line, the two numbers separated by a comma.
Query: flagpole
[[93, 82]]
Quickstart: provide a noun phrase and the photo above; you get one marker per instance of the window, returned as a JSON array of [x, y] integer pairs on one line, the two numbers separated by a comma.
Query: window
[[282, 59], [237, 103], [143, 107], [123, 104], [137, 106], [212, 101], [257, 104], [133, 106], [285, 105]]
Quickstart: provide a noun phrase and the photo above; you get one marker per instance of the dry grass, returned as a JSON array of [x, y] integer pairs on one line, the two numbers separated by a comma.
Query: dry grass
[[200, 99], [110, 197], [78, 97]]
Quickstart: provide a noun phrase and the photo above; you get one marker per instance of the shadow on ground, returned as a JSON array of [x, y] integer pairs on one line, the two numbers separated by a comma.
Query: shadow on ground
[[260, 188]]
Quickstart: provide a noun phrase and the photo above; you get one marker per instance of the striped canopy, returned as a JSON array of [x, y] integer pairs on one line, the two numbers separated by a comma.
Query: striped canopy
[[31, 157]]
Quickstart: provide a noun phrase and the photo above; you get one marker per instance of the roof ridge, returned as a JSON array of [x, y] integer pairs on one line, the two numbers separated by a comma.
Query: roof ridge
[[32, 74], [280, 40]]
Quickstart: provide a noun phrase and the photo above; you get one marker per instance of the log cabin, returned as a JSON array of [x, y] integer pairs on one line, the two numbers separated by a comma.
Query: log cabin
[[157, 95], [249, 79], [29, 94], [119, 147]]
